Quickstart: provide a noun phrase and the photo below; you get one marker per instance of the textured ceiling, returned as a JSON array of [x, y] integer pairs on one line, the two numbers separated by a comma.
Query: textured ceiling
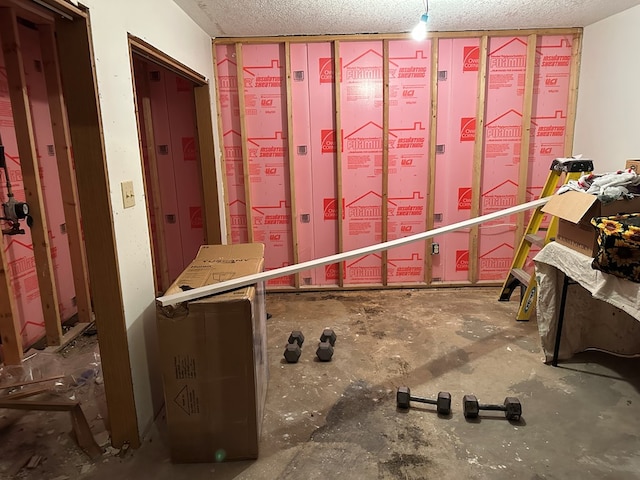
[[245, 18]]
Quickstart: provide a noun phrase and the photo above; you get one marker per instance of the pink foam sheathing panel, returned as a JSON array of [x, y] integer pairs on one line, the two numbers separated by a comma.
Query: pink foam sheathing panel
[[409, 132], [172, 111], [361, 117], [458, 61], [139, 76], [18, 250], [323, 158], [266, 125], [232, 141], [43, 134], [550, 101], [302, 160], [503, 129], [409, 103]]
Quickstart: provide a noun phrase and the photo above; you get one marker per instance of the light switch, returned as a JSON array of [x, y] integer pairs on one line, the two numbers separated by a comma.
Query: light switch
[[128, 197]]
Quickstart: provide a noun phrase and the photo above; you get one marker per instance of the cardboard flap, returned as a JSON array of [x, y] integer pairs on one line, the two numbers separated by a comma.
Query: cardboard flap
[[571, 205], [218, 263]]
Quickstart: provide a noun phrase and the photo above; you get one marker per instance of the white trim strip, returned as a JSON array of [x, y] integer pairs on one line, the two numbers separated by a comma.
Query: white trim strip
[[339, 257]]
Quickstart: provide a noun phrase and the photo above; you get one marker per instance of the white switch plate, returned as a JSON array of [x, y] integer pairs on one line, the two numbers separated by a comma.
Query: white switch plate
[[128, 197]]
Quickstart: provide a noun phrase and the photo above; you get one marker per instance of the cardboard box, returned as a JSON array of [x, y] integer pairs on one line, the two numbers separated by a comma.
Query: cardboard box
[[633, 165], [214, 359], [575, 211]]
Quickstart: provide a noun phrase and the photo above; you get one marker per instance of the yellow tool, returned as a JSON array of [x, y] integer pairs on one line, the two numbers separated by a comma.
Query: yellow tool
[[572, 169]]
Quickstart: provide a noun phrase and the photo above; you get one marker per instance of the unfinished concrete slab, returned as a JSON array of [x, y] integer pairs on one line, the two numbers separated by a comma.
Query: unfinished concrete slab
[[339, 418]]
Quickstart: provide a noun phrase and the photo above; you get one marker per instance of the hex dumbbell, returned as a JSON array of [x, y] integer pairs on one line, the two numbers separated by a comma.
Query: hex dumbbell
[[442, 403], [293, 351], [511, 407], [325, 347]]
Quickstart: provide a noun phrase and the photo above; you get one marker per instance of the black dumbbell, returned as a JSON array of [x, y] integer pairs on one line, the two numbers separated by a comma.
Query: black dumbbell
[[443, 402], [325, 347], [328, 335], [293, 351], [512, 408]]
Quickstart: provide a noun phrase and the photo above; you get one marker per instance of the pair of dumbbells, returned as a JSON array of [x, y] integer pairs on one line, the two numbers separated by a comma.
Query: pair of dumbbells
[[293, 350], [471, 407]]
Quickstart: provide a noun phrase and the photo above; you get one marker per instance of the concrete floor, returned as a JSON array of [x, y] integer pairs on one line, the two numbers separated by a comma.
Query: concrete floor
[[339, 419]]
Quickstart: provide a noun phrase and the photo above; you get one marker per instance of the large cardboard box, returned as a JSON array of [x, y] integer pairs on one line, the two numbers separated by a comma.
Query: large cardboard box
[[575, 211], [214, 359]]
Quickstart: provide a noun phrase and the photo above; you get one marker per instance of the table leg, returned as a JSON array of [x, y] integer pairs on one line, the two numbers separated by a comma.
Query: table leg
[[563, 302]]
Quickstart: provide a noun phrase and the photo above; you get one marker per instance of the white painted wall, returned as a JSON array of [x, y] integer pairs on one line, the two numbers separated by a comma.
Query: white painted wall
[[609, 92], [164, 25]]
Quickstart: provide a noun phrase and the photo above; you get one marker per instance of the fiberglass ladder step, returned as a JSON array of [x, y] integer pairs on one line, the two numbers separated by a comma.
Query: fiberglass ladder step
[[572, 169]]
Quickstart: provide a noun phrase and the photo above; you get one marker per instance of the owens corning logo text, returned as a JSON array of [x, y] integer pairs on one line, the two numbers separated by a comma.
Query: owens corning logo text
[[467, 129], [326, 70], [328, 141], [462, 260], [471, 59], [464, 198], [195, 215], [331, 272], [189, 148]]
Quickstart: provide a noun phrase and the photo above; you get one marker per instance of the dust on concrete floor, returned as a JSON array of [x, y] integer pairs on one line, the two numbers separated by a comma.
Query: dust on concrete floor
[[339, 419]]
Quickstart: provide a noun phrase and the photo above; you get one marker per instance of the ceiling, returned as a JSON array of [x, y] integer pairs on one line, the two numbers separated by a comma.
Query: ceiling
[[247, 18]]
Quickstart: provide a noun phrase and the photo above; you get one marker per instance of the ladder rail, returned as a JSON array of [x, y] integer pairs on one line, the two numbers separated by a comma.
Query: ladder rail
[[560, 172]]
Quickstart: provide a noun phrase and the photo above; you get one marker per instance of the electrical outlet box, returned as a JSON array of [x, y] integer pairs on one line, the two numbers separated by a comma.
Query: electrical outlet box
[[128, 197]]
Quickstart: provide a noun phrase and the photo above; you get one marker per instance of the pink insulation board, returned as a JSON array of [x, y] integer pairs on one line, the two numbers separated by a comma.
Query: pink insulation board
[[172, 112], [458, 61], [266, 125], [506, 69], [302, 164], [361, 117], [18, 249], [361, 112], [409, 132], [232, 142], [323, 158], [550, 101]]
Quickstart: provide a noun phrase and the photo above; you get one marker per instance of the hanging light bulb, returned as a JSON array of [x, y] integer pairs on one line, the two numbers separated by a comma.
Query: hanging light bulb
[[419, 32]]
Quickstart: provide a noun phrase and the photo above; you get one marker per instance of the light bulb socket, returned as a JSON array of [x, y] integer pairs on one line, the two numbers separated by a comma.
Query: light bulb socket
[[424, 18]]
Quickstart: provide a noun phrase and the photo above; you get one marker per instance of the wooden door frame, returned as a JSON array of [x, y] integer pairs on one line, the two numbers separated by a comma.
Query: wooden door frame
[[77, 69], [204, 128]]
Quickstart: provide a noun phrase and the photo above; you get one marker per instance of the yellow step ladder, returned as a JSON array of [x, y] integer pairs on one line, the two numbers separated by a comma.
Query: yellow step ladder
[[572, 169]]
